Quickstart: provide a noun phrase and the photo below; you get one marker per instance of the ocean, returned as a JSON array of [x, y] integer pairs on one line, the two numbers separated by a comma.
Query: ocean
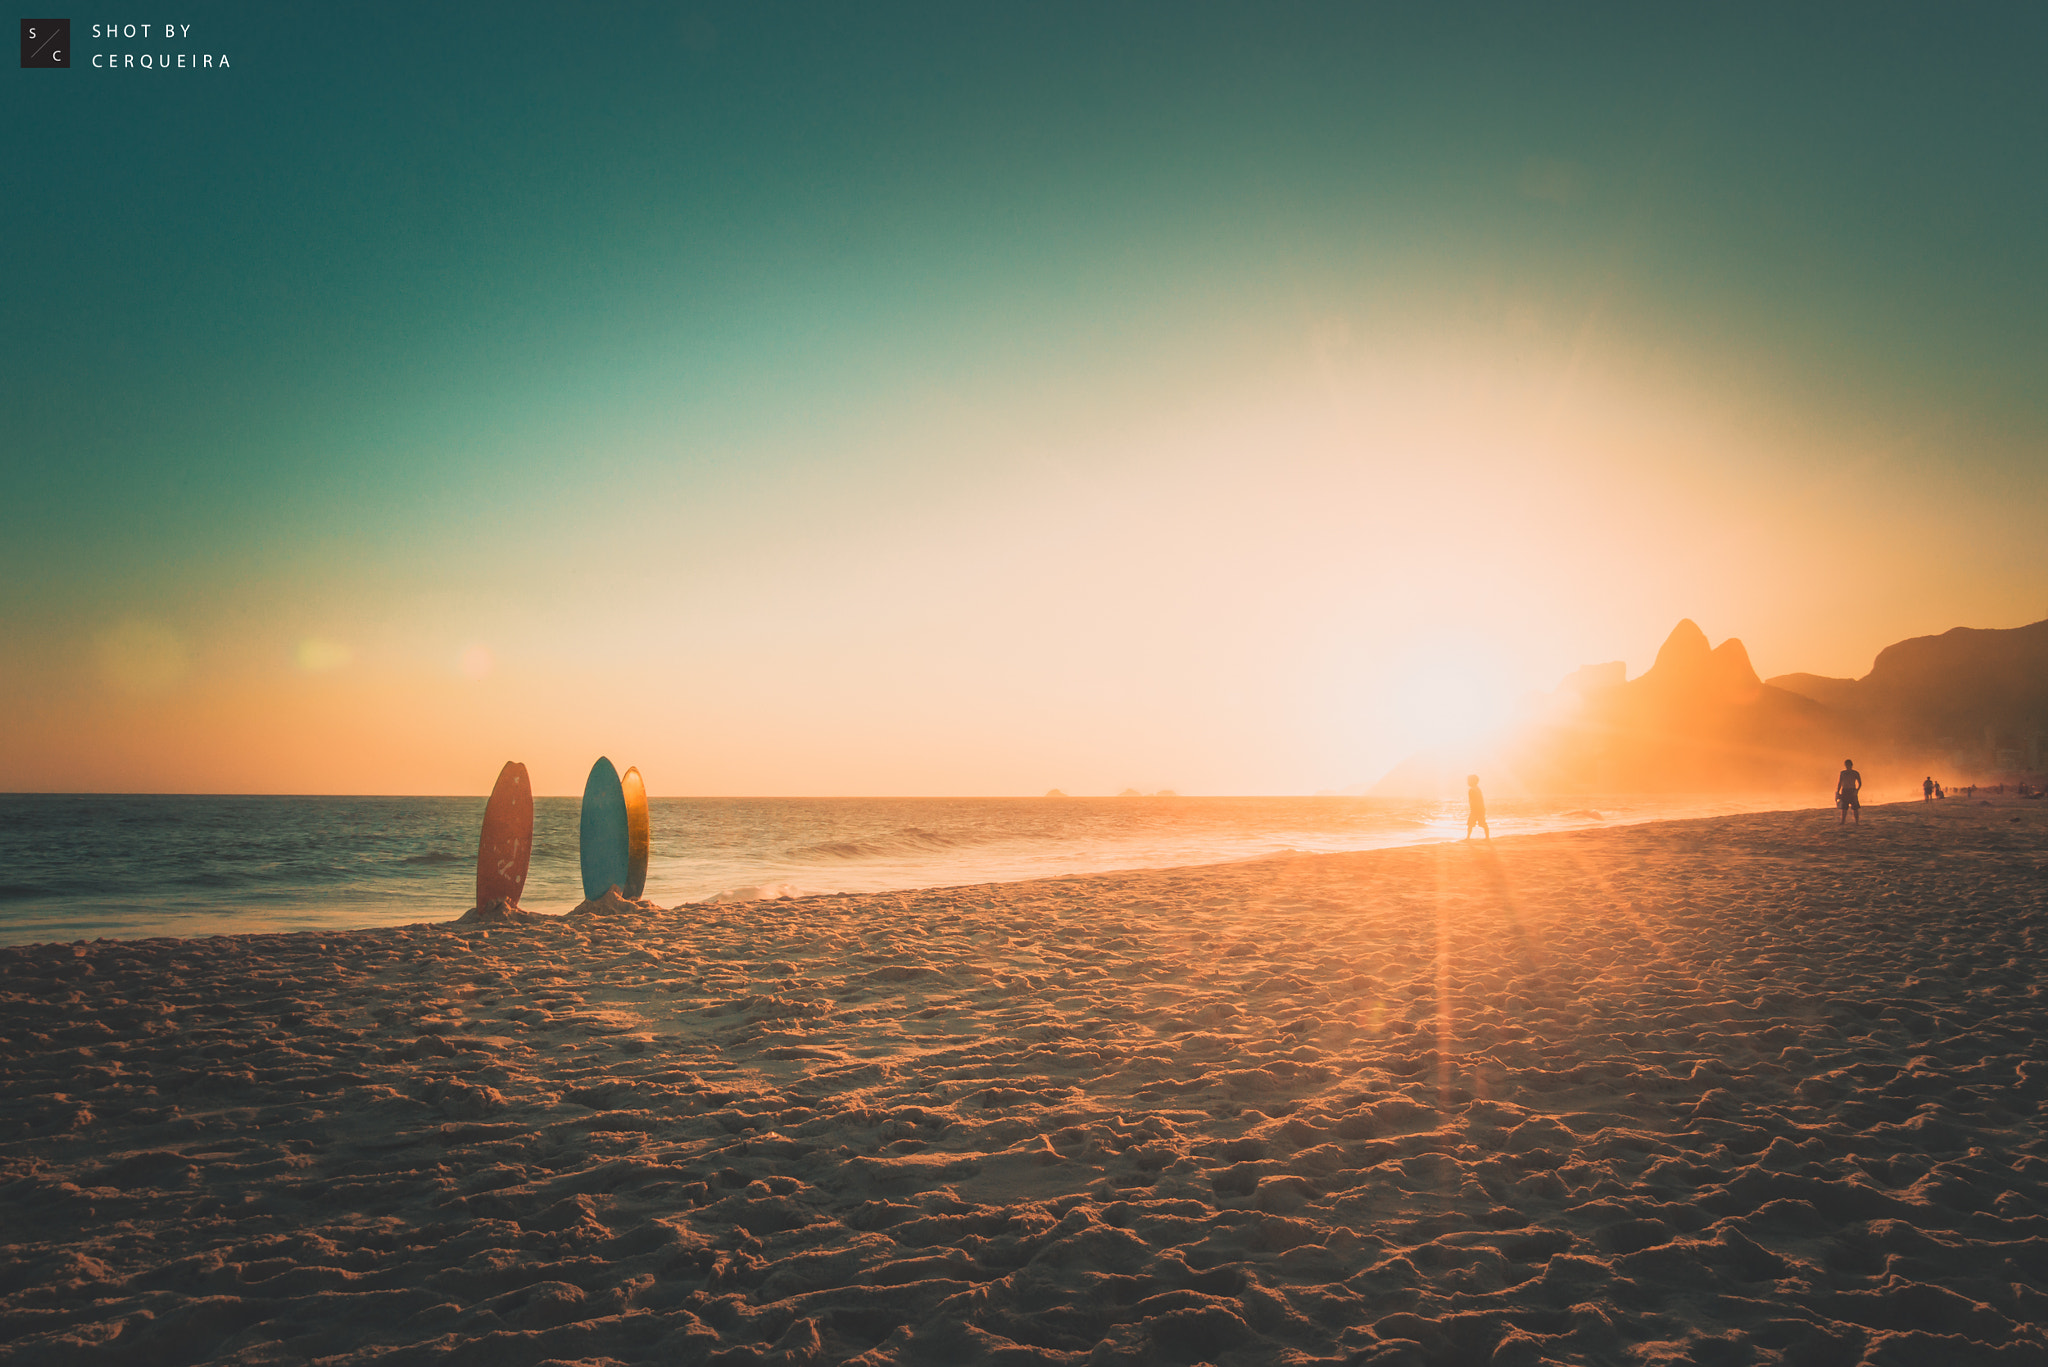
[[78, 867]]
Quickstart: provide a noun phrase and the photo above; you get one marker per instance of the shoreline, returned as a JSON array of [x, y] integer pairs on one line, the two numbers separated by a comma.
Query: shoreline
[[112, 916], [1718, 1085]]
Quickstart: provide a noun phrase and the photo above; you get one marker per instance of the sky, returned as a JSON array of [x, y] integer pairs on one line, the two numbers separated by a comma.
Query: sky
[[938, 399]]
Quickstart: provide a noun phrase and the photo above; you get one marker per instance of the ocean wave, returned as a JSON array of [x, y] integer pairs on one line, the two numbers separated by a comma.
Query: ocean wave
[[281, 874], [904, 840], [155, 863]]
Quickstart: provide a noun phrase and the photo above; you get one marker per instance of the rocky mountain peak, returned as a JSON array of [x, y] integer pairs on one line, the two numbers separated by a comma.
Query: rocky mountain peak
[[1684, 652]]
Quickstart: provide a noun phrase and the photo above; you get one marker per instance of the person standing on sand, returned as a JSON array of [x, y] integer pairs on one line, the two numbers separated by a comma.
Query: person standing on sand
[[1927, 789], [1475, 807], [1846, 787]]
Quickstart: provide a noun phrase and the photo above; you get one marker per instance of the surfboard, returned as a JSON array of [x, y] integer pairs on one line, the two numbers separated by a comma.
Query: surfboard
[[635, 789], [506, 845], [603, 833]]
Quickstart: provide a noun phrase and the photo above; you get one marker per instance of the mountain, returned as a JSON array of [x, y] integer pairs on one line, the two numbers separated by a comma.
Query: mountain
[[1972, 698], [1968, 705], [1834, 693], [1699, 719]]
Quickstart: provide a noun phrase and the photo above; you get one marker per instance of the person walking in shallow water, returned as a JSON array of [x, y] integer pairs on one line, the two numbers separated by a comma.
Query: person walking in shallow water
[[1475, 807], [1847, 786]]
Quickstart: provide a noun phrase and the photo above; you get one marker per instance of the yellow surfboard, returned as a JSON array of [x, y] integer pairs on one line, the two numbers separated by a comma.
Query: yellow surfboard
[[635, 789]]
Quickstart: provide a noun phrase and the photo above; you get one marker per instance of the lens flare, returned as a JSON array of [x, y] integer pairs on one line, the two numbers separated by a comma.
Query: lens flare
[[1453, 689], [318, 655]]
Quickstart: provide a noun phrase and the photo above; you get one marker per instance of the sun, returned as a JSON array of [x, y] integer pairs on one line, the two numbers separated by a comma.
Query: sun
[[1451, 692]]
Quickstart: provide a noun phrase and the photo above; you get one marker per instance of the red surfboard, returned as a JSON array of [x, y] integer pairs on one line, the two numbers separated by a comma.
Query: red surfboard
[[635, 790], [507, 842]]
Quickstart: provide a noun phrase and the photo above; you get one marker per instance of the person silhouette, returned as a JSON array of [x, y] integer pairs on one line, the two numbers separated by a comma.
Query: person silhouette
[[1475, 807], [1846, 787], [1927, 789]]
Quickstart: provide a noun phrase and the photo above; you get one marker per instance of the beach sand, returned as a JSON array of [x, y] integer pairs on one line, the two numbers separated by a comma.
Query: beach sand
[[1753, 1089]]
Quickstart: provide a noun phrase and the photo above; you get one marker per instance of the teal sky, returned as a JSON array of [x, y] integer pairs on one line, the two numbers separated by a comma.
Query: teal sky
[[767, 348]]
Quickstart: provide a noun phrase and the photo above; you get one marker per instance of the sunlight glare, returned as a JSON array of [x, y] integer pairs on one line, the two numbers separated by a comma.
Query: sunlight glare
[[1452, 690]]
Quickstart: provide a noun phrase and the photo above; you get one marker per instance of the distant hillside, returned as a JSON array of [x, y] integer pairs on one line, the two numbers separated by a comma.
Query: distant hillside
[[1967, 705], [1967, 695], [1699, 719], [1819, 687]]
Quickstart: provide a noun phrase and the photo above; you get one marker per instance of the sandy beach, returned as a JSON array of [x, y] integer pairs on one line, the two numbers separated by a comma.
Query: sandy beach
[[1753, 1089]]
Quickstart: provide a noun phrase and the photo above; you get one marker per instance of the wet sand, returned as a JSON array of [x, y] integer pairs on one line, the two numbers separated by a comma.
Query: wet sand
[[1754, 1089]]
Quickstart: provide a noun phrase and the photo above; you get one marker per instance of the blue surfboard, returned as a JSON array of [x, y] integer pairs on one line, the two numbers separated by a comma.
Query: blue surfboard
[[606, 856]]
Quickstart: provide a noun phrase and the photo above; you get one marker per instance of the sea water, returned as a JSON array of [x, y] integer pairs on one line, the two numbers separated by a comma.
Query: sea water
[[85, 866]]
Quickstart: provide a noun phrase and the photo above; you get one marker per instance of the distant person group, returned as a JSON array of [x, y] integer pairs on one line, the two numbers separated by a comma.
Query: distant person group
[[1848, 797], [1849, 786]]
